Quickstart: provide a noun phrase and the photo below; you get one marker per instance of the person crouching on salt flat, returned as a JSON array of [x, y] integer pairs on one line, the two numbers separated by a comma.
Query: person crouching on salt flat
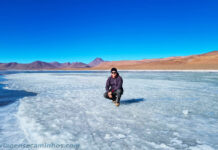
[[114, 87]]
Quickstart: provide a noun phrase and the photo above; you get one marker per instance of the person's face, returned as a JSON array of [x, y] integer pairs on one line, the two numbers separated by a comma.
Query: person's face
[[113, 74]]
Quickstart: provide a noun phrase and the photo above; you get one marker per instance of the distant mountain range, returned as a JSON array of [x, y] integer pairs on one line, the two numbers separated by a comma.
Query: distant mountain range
[[40, 65], [207, 61]]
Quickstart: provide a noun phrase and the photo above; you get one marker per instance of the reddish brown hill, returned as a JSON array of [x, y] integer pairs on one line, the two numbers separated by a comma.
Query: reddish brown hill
[[204, 61]]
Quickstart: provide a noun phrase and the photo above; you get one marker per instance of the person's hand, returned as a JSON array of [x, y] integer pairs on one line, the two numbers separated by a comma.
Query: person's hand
[[110, 94]]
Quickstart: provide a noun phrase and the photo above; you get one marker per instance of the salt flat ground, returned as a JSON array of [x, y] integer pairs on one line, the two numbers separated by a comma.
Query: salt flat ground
[[159, 110]]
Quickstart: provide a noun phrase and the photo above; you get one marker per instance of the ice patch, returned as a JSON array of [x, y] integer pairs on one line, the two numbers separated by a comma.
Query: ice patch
[[201, 147], [107, 136], [120, 136], [185, 112], [175, 141], [160, 146]]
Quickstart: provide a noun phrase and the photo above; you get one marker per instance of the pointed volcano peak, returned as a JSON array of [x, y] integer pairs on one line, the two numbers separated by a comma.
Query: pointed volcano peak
[[98, 58], [96, 62]]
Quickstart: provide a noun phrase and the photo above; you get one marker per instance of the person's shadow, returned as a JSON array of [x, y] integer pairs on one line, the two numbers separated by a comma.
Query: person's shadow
[[130, 101]]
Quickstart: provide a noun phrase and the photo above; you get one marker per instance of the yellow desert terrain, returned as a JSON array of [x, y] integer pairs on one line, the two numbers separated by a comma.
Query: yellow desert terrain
[[207, 61]]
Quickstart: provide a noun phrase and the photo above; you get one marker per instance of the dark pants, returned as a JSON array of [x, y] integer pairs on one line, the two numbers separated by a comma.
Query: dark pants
[[116, 95]]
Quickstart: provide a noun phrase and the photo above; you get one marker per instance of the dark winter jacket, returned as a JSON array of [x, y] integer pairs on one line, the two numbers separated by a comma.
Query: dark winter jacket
[[113, 84]]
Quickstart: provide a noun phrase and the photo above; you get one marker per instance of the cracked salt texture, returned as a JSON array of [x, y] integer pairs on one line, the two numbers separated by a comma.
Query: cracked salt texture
[[154, 111]]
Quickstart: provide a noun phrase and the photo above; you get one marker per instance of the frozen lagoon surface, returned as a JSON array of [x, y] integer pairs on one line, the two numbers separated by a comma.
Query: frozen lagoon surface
[[159, 110]]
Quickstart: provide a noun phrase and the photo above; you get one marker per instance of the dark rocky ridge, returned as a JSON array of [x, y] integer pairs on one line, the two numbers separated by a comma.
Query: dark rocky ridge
[[40, 65]]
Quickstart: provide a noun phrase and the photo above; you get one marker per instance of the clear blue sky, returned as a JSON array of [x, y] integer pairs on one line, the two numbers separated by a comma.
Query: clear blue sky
[[80, 30]]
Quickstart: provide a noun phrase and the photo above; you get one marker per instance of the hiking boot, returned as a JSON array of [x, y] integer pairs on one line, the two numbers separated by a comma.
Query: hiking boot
[[117, 104], [114, 99]]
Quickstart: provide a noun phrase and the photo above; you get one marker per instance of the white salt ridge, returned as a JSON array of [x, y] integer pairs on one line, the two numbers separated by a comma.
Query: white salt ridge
[[10, 131], [70, 108]]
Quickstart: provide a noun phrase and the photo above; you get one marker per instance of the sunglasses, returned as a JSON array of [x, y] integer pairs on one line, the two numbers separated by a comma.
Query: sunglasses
[[113, 72]]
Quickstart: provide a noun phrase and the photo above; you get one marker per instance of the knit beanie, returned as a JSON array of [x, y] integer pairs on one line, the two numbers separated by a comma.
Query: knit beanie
[[114, 69]]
